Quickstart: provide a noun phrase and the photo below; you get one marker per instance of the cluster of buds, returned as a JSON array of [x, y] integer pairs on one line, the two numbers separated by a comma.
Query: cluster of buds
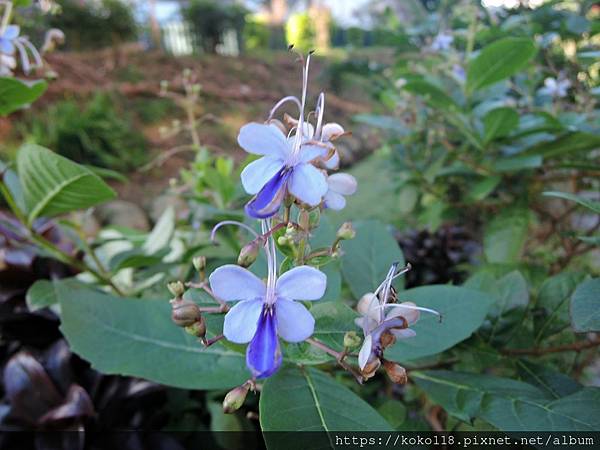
[[382, 329], [186, 314]]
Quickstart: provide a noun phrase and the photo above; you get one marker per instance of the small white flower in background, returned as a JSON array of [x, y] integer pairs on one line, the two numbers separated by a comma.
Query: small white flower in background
[[339, 185], [459, 73], [400, 83], [555, 88], [442, 42]]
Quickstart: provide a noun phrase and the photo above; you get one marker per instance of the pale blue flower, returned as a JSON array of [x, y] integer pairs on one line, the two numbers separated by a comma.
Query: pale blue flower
[[285, 167], [266, 311], [442, 42], [555, 88], [7, 39]]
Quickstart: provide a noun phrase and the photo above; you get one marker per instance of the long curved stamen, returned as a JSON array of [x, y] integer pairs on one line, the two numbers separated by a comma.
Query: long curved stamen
[[271, 261], [413, 307], [6, 16], [231, 222], [284, 100], [320, 111], [299, 133], [36, 55], [23, 56]]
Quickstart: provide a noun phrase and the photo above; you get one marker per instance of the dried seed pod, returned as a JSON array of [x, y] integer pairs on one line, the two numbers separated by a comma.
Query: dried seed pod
[[197, 329], [185, 313], [395, 371]]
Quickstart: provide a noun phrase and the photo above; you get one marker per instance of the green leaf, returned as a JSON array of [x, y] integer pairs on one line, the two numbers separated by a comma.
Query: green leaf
[[136, 337], [368, 257], [505, 236], [585, 306], [463, 311], [394, 412], [54, 185], [499, 123], [515, 163], [569, 143], [498, 61], [510, 405], [589, 204], [332, 321], [432, 95], [554, 384], [40, 295], [313, 401], [483, 188], [14, 94], [388, 123], [161, 234]]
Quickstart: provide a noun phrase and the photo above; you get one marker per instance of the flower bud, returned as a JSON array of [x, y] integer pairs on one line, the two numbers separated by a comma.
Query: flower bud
[[199, 263], [352, 339], [395, 371], [314, 218], [197, 329], [185, 313], [303, 220], [176, 288], [235, 398], [249, 252], [346, 231]]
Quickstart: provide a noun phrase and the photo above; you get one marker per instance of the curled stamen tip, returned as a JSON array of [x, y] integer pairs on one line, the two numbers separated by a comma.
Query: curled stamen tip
[[311, 52], [408, 266], [290, 47]]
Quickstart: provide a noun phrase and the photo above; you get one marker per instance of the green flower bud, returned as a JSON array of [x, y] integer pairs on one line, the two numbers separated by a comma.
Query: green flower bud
[[283, 240], [199, 263], [346, 231], [249, 252], [352, 339], [314, 218], [185, 313], [235, 399], [176, 288], [197, 329]]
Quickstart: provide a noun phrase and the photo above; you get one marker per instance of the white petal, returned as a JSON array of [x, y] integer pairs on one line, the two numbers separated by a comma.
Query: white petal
[[256, 174], [241, 321], [367, 324], [411, 315], [342, 183], [294, 322], [263, 139], [368, 306], [365, 352], [331, 131], [308, 184], [302, 283], [231, 282], [334, 201]]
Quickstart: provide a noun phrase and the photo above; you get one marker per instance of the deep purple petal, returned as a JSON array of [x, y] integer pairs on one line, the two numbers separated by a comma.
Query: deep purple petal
[[263, 355], [268, 200]]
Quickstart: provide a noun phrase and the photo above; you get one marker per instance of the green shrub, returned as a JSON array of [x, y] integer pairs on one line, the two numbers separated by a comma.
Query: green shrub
[[208, 21], [95, 24], [96, 134], [300, 31]]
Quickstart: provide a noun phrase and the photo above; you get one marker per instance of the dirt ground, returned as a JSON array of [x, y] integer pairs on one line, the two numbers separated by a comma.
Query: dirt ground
[[235, 90]]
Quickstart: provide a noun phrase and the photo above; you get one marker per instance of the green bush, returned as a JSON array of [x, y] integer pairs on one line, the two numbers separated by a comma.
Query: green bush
[[89, 25], [208, 21], [95, 134], [300, 31]]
